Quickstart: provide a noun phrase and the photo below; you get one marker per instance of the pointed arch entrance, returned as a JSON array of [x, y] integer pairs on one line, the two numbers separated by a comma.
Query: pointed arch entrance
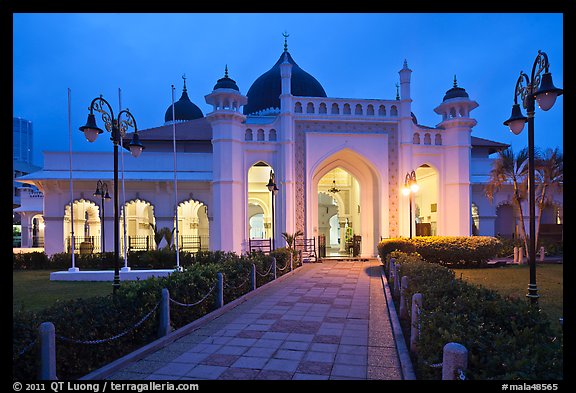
[[360, 209]]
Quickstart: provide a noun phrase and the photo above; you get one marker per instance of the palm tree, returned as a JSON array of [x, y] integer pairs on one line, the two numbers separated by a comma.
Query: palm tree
[[509, 168], [161, 233], [291, 238], [549, 177]]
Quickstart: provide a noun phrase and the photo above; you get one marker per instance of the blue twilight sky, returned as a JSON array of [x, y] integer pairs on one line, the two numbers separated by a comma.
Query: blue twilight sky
[[354, 55]]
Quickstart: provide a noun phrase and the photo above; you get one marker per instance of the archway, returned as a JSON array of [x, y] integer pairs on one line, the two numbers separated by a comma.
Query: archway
[[193, 226], [338, 210], [140, 224], [260, 209], [361, 206], [87, 228], [426, 201]]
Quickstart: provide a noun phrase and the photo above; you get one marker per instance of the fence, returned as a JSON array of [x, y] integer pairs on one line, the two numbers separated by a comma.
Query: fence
[[455, 355], [47, 335]]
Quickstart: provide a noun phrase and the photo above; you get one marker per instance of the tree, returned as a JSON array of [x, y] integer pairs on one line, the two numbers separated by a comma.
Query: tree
[[161, 233], [549, 176], [291, 238], [509, 168]]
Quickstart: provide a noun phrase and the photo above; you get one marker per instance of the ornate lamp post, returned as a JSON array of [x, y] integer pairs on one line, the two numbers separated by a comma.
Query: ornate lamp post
[[117, 127], [102, 191], [273, 191], [538, 88], [410, 188]]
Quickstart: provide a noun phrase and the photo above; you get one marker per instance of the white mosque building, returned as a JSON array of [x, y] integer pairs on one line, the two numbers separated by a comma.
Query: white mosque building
[[339, 166]]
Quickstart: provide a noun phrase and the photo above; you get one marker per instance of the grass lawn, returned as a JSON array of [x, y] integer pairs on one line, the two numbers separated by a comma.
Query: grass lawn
[[33, 290], [512, 280]]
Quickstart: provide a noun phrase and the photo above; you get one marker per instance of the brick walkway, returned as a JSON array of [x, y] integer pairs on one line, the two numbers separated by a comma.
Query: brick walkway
[[327, 321]]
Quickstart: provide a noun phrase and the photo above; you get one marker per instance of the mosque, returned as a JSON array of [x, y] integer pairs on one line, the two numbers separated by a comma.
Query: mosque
[[336, 168]]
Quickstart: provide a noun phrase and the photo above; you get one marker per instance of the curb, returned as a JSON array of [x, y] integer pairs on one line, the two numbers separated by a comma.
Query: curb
[[403, 353], [155, 345]]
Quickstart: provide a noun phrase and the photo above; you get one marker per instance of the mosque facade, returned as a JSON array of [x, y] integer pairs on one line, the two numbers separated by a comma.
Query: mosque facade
[[338, 166]]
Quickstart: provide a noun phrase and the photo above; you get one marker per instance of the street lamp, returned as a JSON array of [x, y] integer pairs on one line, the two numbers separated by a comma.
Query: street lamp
[[117, 128], [102, 191], [538, 88], [410, 188], [273, 191]]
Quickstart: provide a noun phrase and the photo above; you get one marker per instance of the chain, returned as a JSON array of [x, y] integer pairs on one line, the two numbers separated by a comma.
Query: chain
[[226, 285], [265, 274], [197, 303], [284, 268], [113, 337], [461, 375], [26, 349]]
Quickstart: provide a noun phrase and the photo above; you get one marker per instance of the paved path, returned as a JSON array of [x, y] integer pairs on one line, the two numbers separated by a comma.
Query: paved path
[[327, 321]]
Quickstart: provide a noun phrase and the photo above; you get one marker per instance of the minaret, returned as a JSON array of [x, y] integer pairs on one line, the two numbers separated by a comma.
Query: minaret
[[456, 137], [285, 165], [227, 229]]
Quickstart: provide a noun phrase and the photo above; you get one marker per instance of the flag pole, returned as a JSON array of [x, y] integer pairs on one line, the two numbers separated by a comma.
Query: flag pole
[[73, 268], [178, 267], [123, 209]]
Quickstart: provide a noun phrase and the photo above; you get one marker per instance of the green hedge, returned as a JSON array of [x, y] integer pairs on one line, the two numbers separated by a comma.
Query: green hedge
[[99, 318], [506, 339], [453, 251]]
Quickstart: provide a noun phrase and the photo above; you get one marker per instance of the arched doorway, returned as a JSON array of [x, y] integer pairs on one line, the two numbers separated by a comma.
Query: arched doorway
[[140, 225], [87, 228], [426, 201], [260, 205], [193, 226], [338, 211], [359, 206]]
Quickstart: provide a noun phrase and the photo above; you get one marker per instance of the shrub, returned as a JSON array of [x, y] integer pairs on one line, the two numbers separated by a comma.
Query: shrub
[[100, 318], [454, 251], [506, 339]]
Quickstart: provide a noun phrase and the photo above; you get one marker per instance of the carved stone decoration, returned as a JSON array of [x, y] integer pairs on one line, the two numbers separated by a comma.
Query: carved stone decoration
[[392, 182], [300, 177]]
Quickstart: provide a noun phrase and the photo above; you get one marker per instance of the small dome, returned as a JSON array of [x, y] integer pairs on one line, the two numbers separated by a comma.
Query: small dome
[[265, 91], [226, 83], [184, 109], [455, 92]]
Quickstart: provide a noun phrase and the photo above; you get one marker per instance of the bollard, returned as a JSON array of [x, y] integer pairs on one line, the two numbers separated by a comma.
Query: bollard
[[403, 305], [415, 323], [274, 266], [164, 327], [396, 287], [542, 254], [392, 268], [220, 294], [515, 254], [291, 261], [391, 263], [454, 360], [521, 255], [253, 277], [47, 334]]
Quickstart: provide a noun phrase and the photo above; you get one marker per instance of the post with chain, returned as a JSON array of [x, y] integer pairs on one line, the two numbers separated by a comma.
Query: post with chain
[[164, 327], [47, 333], [403, 300], [274, 266], [415, 322], [396, 287], [253, 275], [291, 261], [220, 294], [454, 361]]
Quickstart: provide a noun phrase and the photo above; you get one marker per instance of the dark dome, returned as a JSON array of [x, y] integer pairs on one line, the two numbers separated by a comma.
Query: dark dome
[[226, 83], [184, 109], [455, 92], [265, 91]]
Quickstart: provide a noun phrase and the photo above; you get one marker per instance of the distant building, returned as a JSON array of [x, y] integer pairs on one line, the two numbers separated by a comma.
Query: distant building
[[339, 165]]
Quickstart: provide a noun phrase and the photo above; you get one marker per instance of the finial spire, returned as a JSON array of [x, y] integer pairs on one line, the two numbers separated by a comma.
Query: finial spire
[[397, 93], [226, 71], [405, 64], [285, 35], [184, 77], [455, 83]]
